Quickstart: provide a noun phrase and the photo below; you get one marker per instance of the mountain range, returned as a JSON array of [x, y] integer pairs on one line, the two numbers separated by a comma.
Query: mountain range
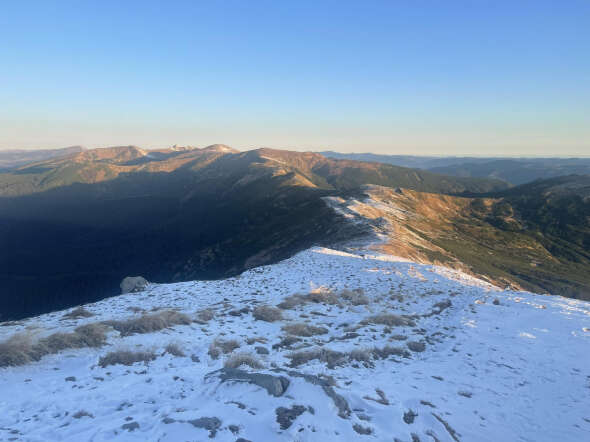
[[71, 227]]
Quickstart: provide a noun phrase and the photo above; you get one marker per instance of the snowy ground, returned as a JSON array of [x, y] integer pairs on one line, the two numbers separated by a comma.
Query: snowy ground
[[517, 370]]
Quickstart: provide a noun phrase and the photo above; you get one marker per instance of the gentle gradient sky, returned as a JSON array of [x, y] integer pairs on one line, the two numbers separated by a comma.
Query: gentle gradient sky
[[411, 77]]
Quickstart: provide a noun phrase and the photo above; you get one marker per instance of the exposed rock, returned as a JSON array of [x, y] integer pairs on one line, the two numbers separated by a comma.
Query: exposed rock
[[286, 416], [133, 284], [261, 350], [212, 424], [274, 385], [130, 426], [416, 346], [409, 417]]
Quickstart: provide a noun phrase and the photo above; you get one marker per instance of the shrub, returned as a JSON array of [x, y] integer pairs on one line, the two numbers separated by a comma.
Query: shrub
[[267, 313], [150, 322], [126, 357], [238, 359], [77, 313], [301, 329]]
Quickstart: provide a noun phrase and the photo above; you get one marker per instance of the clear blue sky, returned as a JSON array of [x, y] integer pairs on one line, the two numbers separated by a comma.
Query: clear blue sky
[[416, 77]]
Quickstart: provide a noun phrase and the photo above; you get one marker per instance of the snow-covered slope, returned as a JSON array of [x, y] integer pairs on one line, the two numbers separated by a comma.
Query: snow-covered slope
[[495, 365]]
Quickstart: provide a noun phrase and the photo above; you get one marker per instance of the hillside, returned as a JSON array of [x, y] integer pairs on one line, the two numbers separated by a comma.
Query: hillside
[[515, 171], [535, 236], [361, 346], [11, 158]]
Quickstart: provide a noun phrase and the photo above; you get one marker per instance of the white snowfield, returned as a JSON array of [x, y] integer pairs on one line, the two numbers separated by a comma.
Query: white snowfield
[[517, 369]]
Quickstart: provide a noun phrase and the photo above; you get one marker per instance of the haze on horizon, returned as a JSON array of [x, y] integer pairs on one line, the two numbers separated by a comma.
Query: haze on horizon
[[417, 78]]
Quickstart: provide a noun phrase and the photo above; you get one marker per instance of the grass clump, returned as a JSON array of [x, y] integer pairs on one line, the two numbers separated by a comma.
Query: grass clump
[[238, 359], [205, 315], [330, 357], [354, 297], [292, 301], [149, 323], [174, 350], [20, 348], [77, 313], [305, 330], [319, 296], [267, 313], [221, 346], [387, 351], [126, 357], [16, 350], [390, 320]]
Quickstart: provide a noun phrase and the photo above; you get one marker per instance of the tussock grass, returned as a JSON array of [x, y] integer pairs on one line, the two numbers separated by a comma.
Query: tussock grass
[[390, 320], [221, 346], [21, 349], [149, 323], [77, 313], [126, 357], [174, 349], [205, 315], [354, 297], [305, 330], [16, 350], [315, 297], [236, 360], [267, 313], [330, 357], [323, 297], [387, 351], [336, 358], [292, 301]]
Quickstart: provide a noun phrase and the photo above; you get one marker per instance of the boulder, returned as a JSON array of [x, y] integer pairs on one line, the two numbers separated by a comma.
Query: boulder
[[132, 284]]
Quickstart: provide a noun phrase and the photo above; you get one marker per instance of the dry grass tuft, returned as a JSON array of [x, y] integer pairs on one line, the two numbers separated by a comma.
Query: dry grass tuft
[[361, 355], [238, 359], [323, 297], [330, 357], [302, 329], [77, 313], [390, 320], [292, 301], [149, 323], [387, 351], [20, 348], [318, 296], [126, 357], [174, 350], [16, 350], [205, 315], [267, 313], [354, 297], [220, 346]]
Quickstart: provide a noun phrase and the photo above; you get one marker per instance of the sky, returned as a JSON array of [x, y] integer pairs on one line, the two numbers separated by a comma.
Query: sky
[[391, 77]]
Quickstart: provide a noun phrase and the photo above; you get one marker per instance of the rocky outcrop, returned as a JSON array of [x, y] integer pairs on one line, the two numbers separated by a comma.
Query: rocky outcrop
[[133, 284]]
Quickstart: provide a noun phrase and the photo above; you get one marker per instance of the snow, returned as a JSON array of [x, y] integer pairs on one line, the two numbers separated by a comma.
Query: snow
[[515, 371]]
